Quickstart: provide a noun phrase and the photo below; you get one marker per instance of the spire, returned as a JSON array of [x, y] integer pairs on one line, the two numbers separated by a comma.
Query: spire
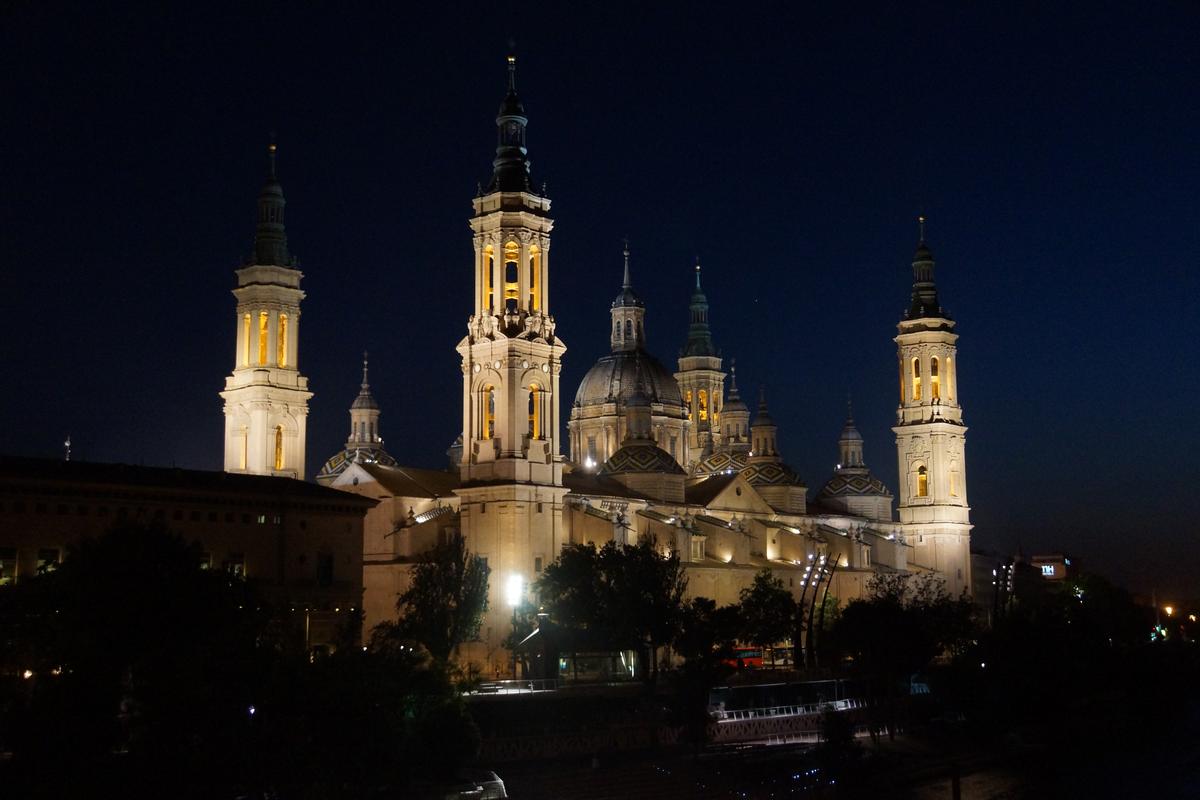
[[733, 390], [762, 432], [924, 295], [850, 443], [699, 341], [270, 240], [365, 399], [510, 169], [628, 298]]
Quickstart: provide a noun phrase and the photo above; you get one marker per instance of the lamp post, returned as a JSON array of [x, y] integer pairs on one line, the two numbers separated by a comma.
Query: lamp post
[[514, 592]]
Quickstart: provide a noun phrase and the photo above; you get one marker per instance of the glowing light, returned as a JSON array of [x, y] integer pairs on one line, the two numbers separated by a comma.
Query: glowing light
[[1170, 610], [252, 710], [27, 674], [514, 590]]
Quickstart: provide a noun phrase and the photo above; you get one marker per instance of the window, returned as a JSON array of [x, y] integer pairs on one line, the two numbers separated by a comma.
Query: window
[[539, 508], [489, 262], [922, 482], [591, 449], [535, 412], [628, 328], [278, 447], [281, 346], [537, 564], [489, 411], [8, 566], [916, 378], [697, 548], [511, 288], [262, 519], [246, 340], [950, 379], [263, 318], [687, 401], [953, 481], [935, 389], [206, 561], [236, 565], [325, 569], [535, 267]]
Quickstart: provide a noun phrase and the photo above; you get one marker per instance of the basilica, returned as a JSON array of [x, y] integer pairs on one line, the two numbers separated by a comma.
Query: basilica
[[676, 456]]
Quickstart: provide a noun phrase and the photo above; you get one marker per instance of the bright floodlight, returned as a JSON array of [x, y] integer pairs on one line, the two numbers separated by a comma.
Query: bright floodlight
[[514, 590]]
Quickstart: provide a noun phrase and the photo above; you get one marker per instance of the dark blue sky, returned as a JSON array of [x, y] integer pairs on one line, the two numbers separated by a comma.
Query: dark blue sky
[[1054, 151]]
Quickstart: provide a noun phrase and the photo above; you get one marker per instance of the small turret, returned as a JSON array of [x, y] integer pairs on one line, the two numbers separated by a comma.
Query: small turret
[[628, 315], [270, 239]]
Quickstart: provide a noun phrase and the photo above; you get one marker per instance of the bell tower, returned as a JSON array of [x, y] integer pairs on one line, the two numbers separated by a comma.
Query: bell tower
[[701, 381], [511, 469], [266, 397], [930, 434]]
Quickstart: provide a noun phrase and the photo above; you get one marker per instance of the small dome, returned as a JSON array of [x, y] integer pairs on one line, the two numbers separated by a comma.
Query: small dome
[[862, 484], [365, 400], [850, 433], [641, 457], [720, 463], [923, 252], [628, 298], [771, 473], [615, 377]]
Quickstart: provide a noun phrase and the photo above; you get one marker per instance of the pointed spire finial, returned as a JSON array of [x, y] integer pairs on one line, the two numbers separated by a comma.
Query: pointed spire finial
[[512, 70], [733, 390], [271, 148], [921, 228], [849, 408], [697, 272], [628, 283], [364, 380]]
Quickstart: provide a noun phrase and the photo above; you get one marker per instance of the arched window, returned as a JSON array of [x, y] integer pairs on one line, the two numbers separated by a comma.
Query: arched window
[[950, 379], [489, 411], [901, 381], [263, 320], [535, 412], [953, 479], [278, 447], [922, 482], [246, 340], [702, 402], [245, 445], [511, 288], [535, 268], [935, 388], [282, 343], [916, 379], [628, 328], [489, 261], [687, 399]]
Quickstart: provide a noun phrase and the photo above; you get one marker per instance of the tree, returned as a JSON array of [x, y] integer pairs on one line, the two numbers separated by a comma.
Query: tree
[[705, 642], [623, 596], [445, 603], [767, 610]]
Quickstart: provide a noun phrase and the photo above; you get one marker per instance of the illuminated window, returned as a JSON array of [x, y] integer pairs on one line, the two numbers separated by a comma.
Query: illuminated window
[[922, 482], [916, 378], [591, 449], [702, 402], [263, 318], [236, 565], [535, 412], [489, 411], [1048, 570], [901, 381], [950, 379], [953, 481], [490, 263], [246, 340], [535, 268], [687, 400], [282, 343], [935, 389], [511, 288], [8, 566], [278, 447]]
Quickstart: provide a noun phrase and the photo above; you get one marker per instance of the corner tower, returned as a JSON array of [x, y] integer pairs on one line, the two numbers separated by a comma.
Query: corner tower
[[266, 397], [930, 434], [700, 378], [511, 470]]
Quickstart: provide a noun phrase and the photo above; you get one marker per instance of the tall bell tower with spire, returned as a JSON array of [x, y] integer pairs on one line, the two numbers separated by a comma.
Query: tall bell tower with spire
[[266, 397], [511, 469], [930, 434], [700, 377]]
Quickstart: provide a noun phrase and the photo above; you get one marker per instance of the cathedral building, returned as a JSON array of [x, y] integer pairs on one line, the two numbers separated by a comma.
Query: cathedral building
[[675, 457]]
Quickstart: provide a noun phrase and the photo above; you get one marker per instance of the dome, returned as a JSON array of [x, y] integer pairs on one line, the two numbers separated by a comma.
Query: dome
[[719, 463], [616, 377], [923, 252], [854, 485], [771, 473], [365, 400], [641, 457]]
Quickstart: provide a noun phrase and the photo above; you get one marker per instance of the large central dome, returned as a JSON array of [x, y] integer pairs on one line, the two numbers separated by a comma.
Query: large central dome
[[616, 375]]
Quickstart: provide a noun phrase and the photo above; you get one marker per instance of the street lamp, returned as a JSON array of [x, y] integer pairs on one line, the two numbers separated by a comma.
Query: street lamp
[[514, 593]]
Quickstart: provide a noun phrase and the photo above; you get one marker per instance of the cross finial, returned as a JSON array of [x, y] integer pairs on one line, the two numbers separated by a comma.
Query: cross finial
[[364, 381]]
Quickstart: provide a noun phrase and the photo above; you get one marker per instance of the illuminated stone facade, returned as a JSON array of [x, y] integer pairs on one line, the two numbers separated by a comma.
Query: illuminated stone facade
[[696, 475], [266, 397]]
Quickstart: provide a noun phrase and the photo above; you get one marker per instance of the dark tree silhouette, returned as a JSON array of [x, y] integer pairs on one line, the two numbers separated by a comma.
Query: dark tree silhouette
[[767, 609]]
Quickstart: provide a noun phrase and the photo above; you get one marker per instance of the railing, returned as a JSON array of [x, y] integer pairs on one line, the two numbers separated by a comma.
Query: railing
[[787, 711], [518, 687]]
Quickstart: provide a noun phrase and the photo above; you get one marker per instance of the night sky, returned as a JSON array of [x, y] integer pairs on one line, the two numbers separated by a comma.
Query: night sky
[[790, 147]]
